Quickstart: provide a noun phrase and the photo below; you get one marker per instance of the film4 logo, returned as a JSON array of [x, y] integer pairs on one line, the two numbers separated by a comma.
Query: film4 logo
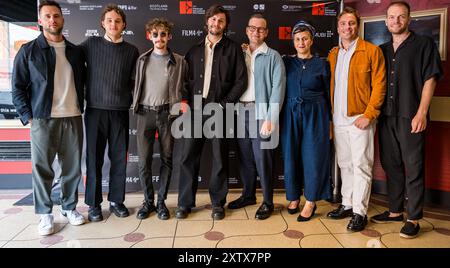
[[185, 7], [318, 9], [284, 33]]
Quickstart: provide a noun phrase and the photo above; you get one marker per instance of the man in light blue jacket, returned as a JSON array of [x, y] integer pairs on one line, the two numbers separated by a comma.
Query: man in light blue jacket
[[257, 120]]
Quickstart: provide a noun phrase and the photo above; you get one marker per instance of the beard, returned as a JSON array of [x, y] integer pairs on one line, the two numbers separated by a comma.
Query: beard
[[214, 31], [54, 31], [398, 30]]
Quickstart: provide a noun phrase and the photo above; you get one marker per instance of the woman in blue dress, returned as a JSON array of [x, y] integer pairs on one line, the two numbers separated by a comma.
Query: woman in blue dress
[[305, 125]]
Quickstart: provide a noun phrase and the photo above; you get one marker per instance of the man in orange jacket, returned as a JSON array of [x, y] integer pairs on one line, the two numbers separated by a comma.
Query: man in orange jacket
[[357, 94]]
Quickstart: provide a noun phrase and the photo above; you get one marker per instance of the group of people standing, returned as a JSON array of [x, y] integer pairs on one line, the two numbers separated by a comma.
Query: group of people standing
[[304, 99]]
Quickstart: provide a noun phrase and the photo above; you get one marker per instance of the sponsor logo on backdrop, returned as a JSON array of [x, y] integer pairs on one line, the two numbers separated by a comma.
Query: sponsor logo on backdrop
[[230, 33], [65, 11], [259, 7], [65, 32], [291, 8], [91, 32], [90, 7], [127, 32], [188, 8], [190, 33], [320, 9], [284, 33], [74, 1], [127, 7], [133, 158], [185, 7], [229, 7], [326, 34], [130, 180], [158, 7]]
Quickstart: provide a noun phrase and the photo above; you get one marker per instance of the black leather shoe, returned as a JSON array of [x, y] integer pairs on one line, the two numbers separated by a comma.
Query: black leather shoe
[[146, 209], [119, 209], [409, 230], [301, 218], [293, 210], [241, 202], [357, 223], [340, 213], [218, 213], [384, 218], [264, 211], [95, 214], [182, 212], [163, 212]]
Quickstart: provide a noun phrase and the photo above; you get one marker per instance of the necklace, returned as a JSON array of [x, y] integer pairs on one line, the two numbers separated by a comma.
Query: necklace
[[304, 61]]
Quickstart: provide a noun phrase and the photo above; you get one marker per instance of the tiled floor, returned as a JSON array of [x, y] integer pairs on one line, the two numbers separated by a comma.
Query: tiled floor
[[238, 229]]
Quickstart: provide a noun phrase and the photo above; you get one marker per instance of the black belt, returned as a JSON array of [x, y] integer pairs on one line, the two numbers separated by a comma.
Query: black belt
[[155, 108]]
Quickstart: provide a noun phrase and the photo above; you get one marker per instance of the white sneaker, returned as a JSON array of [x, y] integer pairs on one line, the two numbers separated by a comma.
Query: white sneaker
[[45, 226], [74, 217]]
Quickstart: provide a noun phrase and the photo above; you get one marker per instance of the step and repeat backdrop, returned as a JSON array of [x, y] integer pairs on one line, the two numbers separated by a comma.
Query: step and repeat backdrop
[[82, 19]]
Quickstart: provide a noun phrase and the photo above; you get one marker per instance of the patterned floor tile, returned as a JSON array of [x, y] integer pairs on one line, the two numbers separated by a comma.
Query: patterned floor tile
[[320, 241], [194, 242], [358, 240], [189, 228], [273, 225], [259, 241], [238, 229], [154, 243]]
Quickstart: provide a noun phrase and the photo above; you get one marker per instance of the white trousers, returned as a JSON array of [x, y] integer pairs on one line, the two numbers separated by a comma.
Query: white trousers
[[355, 154]]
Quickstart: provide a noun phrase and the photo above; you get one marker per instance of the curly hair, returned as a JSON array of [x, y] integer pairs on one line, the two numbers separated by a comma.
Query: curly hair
[[159, 23]]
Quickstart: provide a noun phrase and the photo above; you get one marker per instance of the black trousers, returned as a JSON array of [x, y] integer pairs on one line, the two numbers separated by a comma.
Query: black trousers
[[402, 156], [148, 122], [112, 128], [253, 160], [189, 166]]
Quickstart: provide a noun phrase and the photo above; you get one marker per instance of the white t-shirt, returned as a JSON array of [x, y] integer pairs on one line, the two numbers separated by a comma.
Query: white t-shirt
[[65, 100]]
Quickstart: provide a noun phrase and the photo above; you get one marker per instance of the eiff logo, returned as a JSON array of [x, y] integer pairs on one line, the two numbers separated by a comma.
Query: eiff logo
[[185, 7], [284, 33], [318, 9]]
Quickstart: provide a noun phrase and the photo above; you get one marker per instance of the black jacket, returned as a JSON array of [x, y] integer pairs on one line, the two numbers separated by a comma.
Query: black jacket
[[228, 75], [33, 77]]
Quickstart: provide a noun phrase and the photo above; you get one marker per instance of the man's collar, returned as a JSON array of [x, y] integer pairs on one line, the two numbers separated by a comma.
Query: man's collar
[[209, 43], [353, 43], [120, 40], [263, 48]]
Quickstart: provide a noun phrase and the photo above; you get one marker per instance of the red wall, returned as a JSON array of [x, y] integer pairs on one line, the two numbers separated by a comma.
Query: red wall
[[438, 133]]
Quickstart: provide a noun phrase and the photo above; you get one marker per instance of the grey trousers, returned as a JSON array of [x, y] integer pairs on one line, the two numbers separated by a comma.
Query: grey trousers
[[64, 137]]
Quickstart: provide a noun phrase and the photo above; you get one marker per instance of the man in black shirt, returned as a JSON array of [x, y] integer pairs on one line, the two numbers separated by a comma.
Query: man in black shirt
[[413, 67]]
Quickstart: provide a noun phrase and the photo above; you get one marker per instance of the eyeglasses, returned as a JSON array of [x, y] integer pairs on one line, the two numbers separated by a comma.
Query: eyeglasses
[[162, 34], [259, 29]]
